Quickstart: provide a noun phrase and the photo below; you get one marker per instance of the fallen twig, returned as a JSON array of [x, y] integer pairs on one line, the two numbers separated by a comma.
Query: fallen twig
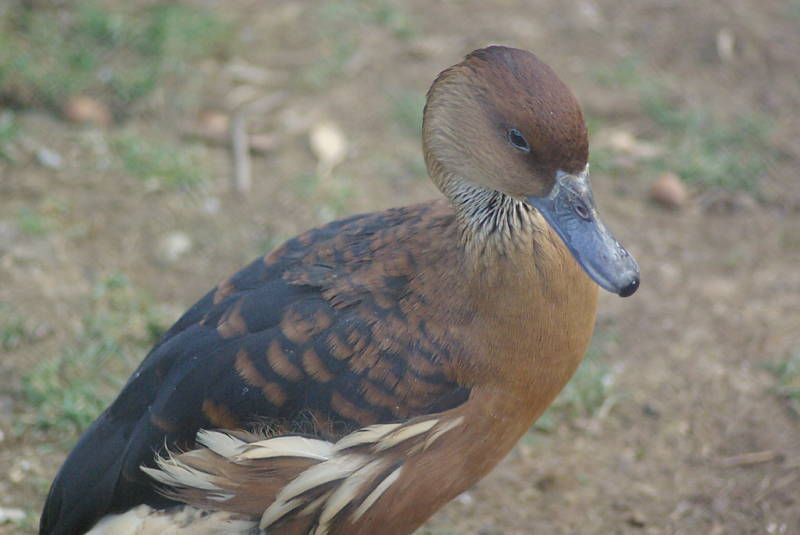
[[259, 143], [240, 145], [747, 459], [240, 140]]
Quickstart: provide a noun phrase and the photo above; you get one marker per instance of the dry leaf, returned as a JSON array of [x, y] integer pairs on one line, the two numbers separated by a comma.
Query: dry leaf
[[329, 146], [85, 110]]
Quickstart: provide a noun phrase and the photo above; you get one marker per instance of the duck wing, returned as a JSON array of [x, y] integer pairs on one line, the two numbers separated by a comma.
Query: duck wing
[[321, 337]]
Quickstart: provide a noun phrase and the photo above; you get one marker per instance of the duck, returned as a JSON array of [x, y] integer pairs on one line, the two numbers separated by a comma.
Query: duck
[[363, 374]]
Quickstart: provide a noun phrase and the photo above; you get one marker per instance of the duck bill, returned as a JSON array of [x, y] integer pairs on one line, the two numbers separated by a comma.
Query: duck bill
[[571, 212]]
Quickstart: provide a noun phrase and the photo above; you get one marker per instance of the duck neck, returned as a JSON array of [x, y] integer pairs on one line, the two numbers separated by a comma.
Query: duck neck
[[536, 304], [491, 224]]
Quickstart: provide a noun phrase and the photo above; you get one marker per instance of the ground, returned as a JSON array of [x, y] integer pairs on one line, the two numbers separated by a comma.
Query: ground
[[684, 418]]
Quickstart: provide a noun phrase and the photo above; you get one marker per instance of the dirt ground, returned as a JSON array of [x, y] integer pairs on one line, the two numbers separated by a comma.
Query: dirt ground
[[694, 437]]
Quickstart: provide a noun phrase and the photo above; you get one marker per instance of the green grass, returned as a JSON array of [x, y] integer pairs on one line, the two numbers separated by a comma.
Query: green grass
[[787, 376], [305, 185], [337, 196], [703, 149], [625, 74], [324, 70], [331, 197], [66, 392], [266, 243], [793, 9], [602, 159], [587, 392], [407, 107], [337, 25], [157, 160], [9, 132], [13, 328], [730, 154], [117, 55], [414, 167], [388, 14], [31, 222]]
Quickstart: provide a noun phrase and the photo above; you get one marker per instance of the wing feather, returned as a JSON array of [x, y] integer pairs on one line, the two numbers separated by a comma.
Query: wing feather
[[312, 339]]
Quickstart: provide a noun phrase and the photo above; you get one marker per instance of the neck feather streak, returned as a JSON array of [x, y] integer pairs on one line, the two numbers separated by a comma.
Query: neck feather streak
[[490, 221]]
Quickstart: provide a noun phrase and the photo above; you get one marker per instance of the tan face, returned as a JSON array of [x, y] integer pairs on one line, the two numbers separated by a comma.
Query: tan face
[[503, 120]]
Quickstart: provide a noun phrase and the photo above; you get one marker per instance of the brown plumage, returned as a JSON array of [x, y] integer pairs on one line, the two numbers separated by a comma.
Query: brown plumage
[[367, 372]]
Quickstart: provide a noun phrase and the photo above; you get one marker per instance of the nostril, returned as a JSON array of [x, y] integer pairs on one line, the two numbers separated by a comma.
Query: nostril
[[582, 211], [630, 289]]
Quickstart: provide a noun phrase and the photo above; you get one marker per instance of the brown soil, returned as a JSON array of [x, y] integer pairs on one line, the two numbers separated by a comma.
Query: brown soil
[[720, 283]]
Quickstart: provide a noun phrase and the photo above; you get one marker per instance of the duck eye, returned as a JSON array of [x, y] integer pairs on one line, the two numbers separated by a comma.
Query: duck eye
[[519, 142]]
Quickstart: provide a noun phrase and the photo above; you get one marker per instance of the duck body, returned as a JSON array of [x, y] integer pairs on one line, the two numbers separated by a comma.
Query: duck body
[[352, 381]]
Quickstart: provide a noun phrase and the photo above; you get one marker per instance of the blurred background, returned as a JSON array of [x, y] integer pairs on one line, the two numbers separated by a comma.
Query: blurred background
[[150, 148]]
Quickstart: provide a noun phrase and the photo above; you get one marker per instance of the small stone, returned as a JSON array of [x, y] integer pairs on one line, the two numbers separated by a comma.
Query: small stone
[[726, 44], [669, 191], [213, 122], [329, 146], [716, 529], [650, 411], [173, 246], [18, 472], [262, 143], [86, 110], [547, 482], [211, 205], [465, 498], [242, 72], [624, 142], [590, 13], [42, 330], [9, 514], [636, 519], [49, 158]]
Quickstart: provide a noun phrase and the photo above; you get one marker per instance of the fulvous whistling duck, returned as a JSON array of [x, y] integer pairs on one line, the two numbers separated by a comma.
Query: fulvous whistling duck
[[365, 373]]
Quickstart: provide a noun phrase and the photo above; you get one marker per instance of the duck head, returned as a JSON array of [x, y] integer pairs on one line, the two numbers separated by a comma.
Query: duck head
[[502, 133]]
